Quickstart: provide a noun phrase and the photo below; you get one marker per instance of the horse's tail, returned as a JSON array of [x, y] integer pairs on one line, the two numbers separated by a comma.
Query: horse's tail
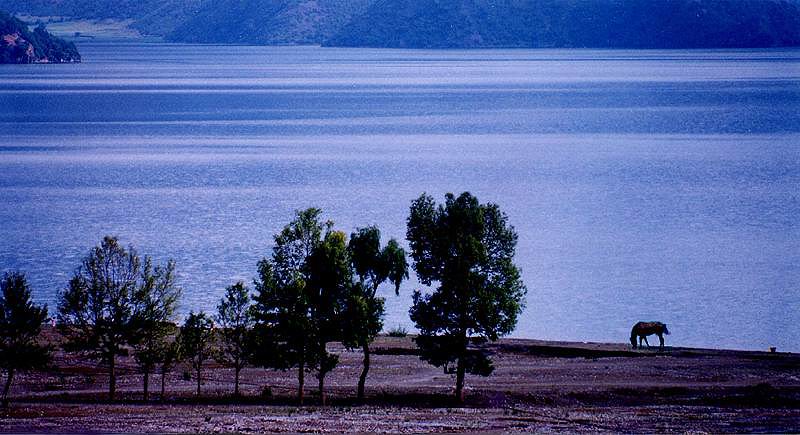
[[666, 331]]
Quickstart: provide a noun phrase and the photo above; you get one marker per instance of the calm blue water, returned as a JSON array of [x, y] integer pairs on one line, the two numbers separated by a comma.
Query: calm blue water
[[659, 185]]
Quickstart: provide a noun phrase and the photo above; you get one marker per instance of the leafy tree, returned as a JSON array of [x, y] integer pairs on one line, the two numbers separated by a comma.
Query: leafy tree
[[235, 319], [169, 356], [373, 266], [20, 324], [467, 248], [285, 334], [329, 285], [196, 340], [152, 324], [97, 312]]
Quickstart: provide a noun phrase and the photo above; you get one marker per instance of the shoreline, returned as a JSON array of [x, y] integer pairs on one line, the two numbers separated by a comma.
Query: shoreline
[[537, 386]]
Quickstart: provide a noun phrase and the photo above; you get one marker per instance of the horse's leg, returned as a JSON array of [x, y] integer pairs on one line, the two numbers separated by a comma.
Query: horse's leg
[[640, 340], [645, 340], [661, 339]]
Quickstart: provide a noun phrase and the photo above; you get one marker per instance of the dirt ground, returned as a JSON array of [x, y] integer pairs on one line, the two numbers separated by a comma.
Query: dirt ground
[[536, 386]]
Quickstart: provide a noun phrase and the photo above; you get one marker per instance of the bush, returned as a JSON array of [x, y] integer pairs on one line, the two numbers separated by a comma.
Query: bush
[[398, 331]]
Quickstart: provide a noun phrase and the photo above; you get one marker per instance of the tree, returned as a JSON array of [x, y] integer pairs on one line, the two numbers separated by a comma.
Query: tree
[[170, 355], [373, 266], [152, 326], [97, 310], [329, 285], [287, 311], [196, 339], [467, 248], [235, 319], [20, 324]]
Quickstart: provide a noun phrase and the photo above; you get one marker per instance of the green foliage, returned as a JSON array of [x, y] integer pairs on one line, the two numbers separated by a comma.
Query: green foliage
[[363, 318], [235, 318], [114, 301], [329, 284], [152, 322], [466, 248], [24, 46], [96, 312], [302, 291], [281, 336], [374, 265], [20, 324], [196, 342]]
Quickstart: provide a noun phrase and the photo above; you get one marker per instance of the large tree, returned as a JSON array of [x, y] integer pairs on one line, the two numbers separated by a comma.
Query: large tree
[[20, 324], [301, 292], [96, 311], [152, 324], [364, 311], [467, 250], [235, 320], [283, 336], [196, 342], [329, 286]]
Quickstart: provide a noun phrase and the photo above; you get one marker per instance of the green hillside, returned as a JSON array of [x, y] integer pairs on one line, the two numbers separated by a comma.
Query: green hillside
[[20, 45], [448, 23], [574, 23], [268, 21]]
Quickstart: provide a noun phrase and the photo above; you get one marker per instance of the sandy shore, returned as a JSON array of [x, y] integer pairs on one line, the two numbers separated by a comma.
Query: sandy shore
[[537, 386]]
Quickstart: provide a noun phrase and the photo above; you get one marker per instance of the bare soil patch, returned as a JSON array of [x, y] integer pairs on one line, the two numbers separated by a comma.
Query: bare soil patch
[[537, 386]]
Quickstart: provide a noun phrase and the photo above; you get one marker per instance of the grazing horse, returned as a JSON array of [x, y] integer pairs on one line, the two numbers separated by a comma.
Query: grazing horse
[[643, 329]]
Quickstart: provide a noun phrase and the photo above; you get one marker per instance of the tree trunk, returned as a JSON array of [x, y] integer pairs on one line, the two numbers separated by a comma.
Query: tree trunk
[[198, 378], [146, 386], [7, 387], [460, 380], [238, 368], [322, 388], [112, 378], [163, 383], [363, 379], [301, 379]]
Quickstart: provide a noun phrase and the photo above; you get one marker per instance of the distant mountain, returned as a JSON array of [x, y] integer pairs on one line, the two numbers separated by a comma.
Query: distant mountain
[[270, 22], [150, 17], [574, 23], [20, 45], [448, 23]]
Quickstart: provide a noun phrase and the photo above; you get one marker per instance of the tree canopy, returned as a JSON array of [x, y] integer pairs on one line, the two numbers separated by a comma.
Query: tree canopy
[[153, 326], [20, 324], [196, 342], [466, 249], [114, 301], [301, 294], [235, 318], [363, 318]]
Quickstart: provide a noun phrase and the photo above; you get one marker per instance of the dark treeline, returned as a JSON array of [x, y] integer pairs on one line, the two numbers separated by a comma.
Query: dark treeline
[[317, 286]]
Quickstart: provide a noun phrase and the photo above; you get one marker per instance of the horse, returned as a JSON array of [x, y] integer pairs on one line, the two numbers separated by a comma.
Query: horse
[[643, 329]]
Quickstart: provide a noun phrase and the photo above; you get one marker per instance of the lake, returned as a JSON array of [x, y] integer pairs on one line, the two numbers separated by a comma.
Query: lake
[[644, 185]]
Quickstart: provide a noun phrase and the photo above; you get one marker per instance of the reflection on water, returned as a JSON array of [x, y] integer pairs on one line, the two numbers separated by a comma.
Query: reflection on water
[[654, 185]]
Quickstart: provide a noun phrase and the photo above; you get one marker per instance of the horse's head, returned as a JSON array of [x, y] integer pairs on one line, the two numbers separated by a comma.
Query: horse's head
[[633, 341]]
